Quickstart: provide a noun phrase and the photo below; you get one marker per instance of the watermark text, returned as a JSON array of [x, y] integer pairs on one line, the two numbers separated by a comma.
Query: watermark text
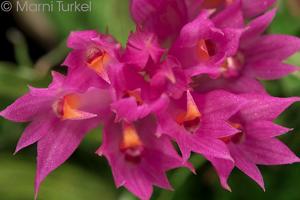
[[50, 6]]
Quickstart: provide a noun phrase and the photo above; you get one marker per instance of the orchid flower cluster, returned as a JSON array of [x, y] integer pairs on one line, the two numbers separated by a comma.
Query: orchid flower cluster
[[188, 81]]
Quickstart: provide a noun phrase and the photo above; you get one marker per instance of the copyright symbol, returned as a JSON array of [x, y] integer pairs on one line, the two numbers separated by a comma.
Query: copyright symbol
[[6, 6]]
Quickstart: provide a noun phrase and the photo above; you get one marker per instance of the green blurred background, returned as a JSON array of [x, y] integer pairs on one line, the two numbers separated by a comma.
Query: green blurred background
[[32, 43]]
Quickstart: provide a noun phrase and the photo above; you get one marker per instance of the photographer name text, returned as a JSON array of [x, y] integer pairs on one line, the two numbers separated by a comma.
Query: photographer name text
[[53, 6]]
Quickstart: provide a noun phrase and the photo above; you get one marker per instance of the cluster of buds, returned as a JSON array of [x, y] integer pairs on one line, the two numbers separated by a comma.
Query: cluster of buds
[[189, 75]]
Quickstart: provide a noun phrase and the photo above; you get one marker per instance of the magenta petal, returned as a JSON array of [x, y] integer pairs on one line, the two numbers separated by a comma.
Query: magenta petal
[[256, 27], [209, 146], [226, 42], [246, 166], [80, 39], [170, 128], [138, 184], [35, 131], [26, 108], [219, 104], [75, 59], [142, 46], [184, 143], [134, 179], [83, 78], [170, 78], [252, 8], [167, 161], [129, 110], [203, 144], [264, 107], [269, 69], [230, 17], [86, 47], [58, 145], [216, 129], [202, 69], [57, 79], [37, 101], [162, 17], [223, 168], [262, 129], [268, 152], [277, 47], [243, 84], [139, 177], [199, 28], [232, 37]]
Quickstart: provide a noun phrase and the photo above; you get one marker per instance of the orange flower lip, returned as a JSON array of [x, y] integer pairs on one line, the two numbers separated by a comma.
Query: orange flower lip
[[98, 63], [131, 138], [131, 144], [192, 108], [191, 118], [67, 108]]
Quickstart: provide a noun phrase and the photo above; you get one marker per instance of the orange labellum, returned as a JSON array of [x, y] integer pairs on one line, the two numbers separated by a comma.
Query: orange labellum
[[99, 64], [131, 138], [70, 104], [67, 108], [192, 109], [190, 119]]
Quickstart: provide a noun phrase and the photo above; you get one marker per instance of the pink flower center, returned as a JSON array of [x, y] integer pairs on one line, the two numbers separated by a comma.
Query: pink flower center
[[131, 144], [190, 119], [97, 60]]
